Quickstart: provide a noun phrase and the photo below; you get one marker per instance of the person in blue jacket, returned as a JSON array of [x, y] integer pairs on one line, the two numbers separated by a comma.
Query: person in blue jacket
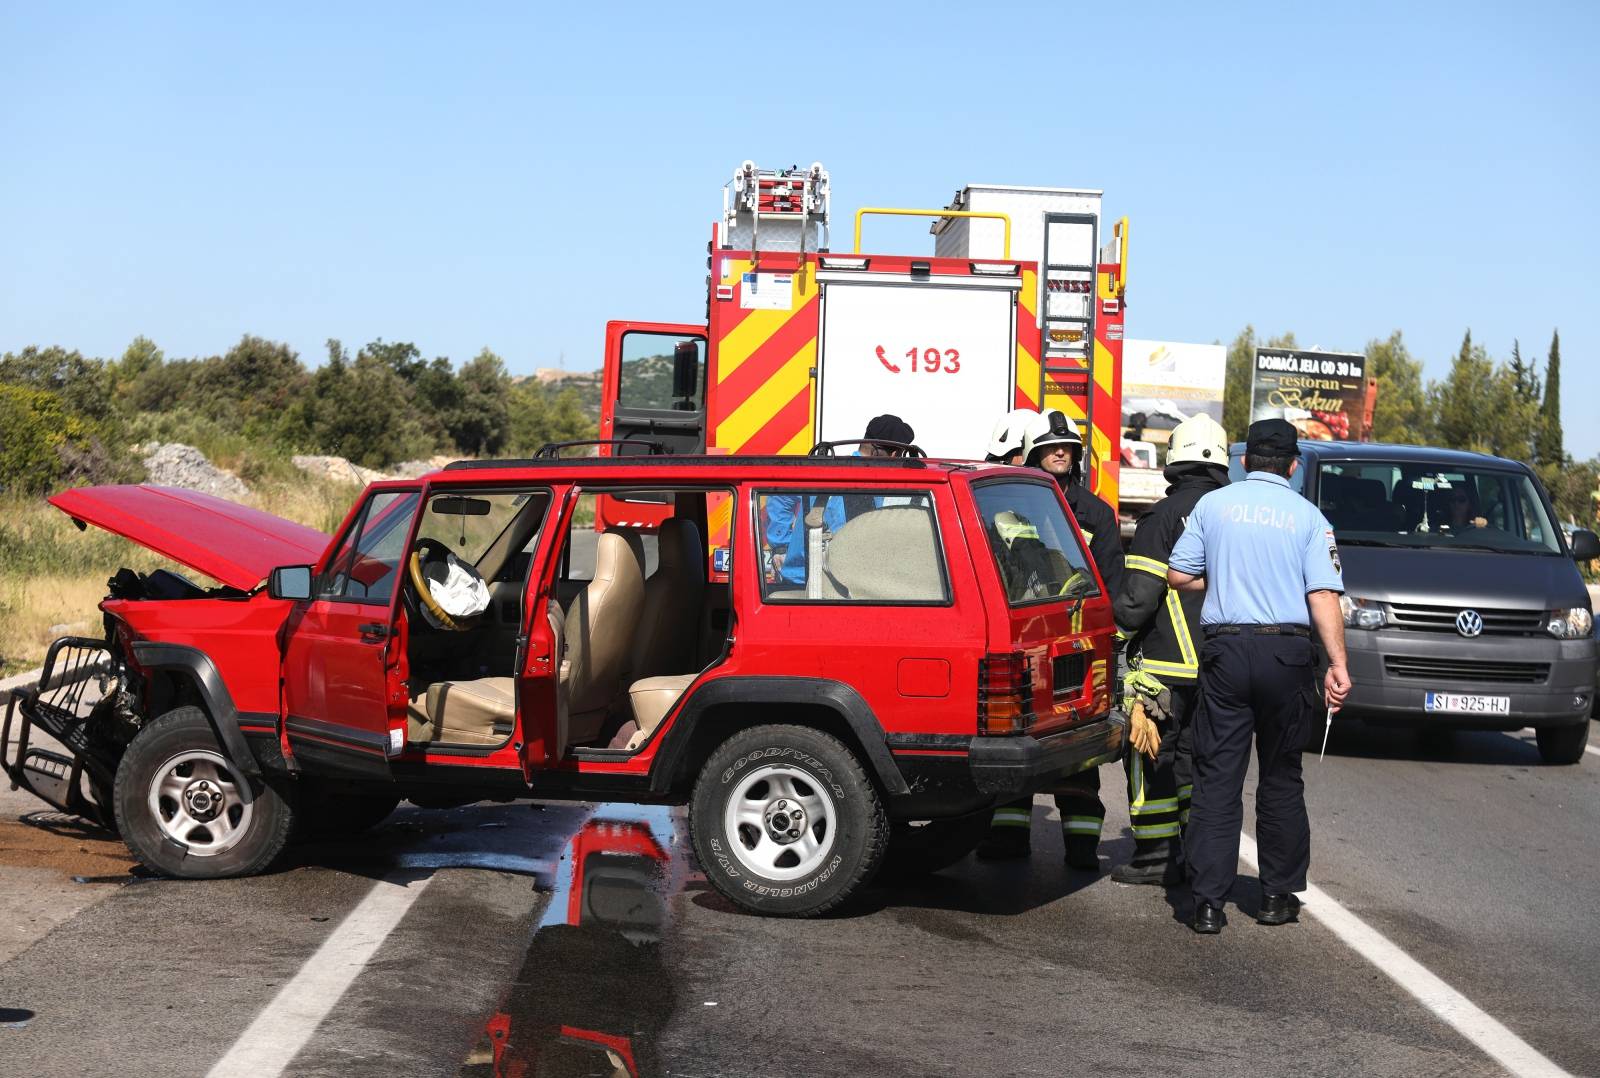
[[786, 533]]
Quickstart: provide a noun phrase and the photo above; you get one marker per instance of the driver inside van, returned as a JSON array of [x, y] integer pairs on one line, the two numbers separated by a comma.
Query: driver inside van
[[1464, 509]]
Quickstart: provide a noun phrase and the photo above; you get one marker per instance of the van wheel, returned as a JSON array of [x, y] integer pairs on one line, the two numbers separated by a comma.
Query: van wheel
[[1562, 744], [186, 810], [786, 822], [921, 847]]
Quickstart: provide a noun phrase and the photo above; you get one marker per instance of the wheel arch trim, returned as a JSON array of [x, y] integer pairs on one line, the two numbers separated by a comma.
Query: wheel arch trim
[[219, 705]]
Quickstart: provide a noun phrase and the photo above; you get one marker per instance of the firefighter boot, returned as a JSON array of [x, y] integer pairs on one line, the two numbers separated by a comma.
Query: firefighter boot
[[1010, 833], [1083, 852], [1154, 863]]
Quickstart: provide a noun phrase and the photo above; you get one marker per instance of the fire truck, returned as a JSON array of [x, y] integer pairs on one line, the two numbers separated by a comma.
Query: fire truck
[[1020, 305]]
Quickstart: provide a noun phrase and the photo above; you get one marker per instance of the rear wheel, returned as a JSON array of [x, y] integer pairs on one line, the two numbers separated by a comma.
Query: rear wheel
[[186, 810], [785, 821], [920, 847], [1562, 744]]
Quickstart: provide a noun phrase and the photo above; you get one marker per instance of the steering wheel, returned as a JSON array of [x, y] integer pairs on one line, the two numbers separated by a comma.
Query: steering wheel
[[426, 552]]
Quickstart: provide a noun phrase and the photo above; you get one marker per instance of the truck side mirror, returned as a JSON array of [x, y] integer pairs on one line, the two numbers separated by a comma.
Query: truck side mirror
[[292, 582], [1585, 545], [685, 370]]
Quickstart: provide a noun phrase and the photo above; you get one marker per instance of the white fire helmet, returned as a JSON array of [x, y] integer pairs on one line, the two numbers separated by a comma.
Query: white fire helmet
[[1006, 438], [1051, 428], [1198, 439]]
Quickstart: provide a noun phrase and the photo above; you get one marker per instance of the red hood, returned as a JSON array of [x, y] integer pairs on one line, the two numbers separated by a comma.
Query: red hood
[[224, 540]]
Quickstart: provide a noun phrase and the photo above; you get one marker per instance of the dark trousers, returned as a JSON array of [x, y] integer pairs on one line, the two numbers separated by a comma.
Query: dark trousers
[[1261, 685], [1159, 789]]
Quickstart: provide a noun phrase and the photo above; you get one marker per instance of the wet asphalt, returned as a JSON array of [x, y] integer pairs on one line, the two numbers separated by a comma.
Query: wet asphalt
[[581, 939]]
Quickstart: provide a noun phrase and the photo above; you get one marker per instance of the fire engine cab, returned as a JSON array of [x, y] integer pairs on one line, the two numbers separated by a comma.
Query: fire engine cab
[[1018, 306]]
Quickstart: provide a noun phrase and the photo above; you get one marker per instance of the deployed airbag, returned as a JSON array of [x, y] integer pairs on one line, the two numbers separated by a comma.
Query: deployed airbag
[[456, 587]]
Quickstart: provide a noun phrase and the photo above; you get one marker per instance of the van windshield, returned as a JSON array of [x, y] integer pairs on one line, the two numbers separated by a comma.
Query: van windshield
[[1038, 556], [1421, 505]]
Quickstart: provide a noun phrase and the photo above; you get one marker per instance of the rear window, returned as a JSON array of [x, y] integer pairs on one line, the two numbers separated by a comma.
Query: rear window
[[1033, 543], [851, 546]]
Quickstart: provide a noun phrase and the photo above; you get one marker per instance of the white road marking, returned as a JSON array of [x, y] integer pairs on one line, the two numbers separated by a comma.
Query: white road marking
[[1450, 1006], [270, 1043], [1591, 750]]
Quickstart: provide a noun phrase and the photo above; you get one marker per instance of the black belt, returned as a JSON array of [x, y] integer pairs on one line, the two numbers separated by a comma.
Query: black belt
[[1286, 629]]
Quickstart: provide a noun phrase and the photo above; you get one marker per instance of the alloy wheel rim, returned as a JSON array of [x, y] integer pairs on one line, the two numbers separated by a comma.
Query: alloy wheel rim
[[780, 822], [198, 800]]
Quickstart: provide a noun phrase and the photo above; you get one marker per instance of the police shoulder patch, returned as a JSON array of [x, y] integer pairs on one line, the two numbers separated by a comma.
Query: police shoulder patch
[[1333, 551]]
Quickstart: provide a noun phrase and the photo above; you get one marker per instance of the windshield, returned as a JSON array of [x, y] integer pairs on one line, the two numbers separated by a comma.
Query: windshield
[[1033, 544], [1423, 505]]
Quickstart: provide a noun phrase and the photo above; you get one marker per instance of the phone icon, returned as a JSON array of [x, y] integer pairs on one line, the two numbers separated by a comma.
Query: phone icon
[[885, 361]]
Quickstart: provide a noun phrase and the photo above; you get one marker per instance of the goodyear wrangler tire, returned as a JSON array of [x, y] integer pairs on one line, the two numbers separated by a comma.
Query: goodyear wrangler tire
[[786, 822], [185, 810]]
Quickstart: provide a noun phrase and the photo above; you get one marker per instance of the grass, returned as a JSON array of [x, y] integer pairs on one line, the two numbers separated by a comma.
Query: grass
[[53, 575]]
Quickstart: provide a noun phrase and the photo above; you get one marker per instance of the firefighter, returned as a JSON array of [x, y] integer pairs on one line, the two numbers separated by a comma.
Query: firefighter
[[1051, 442], [1266, 561], [1005, 443], [1160, 627]]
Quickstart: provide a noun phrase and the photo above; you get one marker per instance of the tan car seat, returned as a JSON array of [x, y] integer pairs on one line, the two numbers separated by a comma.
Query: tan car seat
[[479, 712], [599, 635], [673, 597], [886, 555]]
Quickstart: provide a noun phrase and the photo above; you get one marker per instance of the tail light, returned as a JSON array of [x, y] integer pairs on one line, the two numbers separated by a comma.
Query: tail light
[[1005, 694]]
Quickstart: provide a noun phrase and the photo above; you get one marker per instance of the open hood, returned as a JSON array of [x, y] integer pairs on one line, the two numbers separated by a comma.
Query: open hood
[[230, 542]]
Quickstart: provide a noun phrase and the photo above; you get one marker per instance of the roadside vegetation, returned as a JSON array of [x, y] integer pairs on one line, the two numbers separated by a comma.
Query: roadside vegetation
[[67, 419]]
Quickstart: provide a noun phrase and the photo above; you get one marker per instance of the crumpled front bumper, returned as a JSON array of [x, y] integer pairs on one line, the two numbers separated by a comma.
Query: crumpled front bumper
[[59, 706]]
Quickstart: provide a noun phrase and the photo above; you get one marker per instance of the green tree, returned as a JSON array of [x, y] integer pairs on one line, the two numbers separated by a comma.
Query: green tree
[[84, 386], [1236, 383], [1479, 406], [482, 424], [1400, 413], [539, 415], [1551, 444], [138, 359], [36, 426]]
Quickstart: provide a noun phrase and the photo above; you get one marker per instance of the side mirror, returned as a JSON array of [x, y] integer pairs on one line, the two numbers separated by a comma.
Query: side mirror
[[291, 582], [1585, 545], [685, 370]]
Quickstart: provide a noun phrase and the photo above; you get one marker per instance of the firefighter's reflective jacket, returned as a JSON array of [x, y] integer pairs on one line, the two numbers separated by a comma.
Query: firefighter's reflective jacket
[[1162, 625], [1098, 522]]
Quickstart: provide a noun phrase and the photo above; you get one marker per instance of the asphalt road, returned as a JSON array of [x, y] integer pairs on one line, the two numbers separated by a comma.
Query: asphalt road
[[1471, 857]]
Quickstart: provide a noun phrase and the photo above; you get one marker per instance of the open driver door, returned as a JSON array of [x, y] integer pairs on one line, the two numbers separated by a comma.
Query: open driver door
[[541, 708]]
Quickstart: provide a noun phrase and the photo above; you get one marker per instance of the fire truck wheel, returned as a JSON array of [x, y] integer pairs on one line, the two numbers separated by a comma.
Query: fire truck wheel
[[786, 821], [185, 810], [918, 847]]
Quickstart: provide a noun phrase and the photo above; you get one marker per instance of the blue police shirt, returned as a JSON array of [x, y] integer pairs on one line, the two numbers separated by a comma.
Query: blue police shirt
[[1261, 548]]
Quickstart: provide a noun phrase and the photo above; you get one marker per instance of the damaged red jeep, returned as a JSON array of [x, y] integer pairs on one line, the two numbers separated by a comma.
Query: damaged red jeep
[[868, 654]]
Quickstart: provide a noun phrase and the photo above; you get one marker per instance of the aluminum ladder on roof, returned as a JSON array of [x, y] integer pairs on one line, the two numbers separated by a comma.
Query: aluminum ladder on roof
[[1067, 307]]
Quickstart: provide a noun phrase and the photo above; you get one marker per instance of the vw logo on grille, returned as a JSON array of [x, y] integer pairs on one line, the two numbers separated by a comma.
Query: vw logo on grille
[[1469, 623]]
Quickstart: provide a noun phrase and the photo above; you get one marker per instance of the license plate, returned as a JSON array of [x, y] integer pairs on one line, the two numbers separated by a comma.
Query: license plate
[[1462, 704]]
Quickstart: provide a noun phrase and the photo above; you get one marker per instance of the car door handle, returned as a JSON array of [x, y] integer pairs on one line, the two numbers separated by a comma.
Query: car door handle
[[375, 629]]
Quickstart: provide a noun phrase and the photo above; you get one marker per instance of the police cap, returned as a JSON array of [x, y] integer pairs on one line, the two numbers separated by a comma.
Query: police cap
[[1272, 438]]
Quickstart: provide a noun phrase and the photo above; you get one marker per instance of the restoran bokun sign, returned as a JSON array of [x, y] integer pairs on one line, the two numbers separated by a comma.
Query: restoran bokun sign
[[1321, 393]]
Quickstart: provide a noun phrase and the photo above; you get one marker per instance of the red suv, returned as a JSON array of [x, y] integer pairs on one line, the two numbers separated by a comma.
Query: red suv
[[886, 647]]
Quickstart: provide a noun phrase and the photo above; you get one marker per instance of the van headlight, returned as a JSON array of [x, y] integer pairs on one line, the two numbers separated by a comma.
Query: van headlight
[[1571, 624], [1363, 613]]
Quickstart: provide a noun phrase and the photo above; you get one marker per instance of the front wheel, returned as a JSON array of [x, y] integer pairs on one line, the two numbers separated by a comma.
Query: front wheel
[[1562, 744], [786, 822], [186, 810]]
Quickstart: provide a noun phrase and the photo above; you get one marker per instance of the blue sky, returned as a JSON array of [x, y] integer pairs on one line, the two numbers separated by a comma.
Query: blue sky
[[512, 179]]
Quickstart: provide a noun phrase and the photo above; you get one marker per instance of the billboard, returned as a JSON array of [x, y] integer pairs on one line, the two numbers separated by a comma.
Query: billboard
[[1167, 382], [1322, 393]]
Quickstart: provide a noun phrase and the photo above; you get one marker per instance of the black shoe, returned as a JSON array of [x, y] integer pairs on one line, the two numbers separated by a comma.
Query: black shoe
[[1278, 909], [1083, 853], [1207, 920], [1155, 873], [1006, 844]]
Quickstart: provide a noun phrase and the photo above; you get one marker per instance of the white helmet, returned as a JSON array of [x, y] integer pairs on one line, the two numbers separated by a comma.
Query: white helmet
[[1198, 439], [1006, 437], [1050, 428]]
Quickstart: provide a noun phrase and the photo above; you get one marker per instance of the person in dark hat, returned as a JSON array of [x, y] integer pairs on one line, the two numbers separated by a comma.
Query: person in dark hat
[[1266, 560], [886, 428]]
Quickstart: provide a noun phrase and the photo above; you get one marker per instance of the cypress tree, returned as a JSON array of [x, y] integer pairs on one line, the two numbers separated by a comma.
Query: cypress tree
[[1551, 445]]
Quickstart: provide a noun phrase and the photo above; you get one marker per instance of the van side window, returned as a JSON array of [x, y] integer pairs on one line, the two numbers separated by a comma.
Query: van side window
[[857, 546]]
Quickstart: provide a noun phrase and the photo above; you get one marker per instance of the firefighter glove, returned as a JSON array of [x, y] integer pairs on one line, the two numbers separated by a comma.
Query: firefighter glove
[[1142, 732]]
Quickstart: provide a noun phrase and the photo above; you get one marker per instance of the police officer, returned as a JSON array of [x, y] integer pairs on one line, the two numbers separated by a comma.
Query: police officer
[[1266, 560], [1051, 441], [1161, 627]]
